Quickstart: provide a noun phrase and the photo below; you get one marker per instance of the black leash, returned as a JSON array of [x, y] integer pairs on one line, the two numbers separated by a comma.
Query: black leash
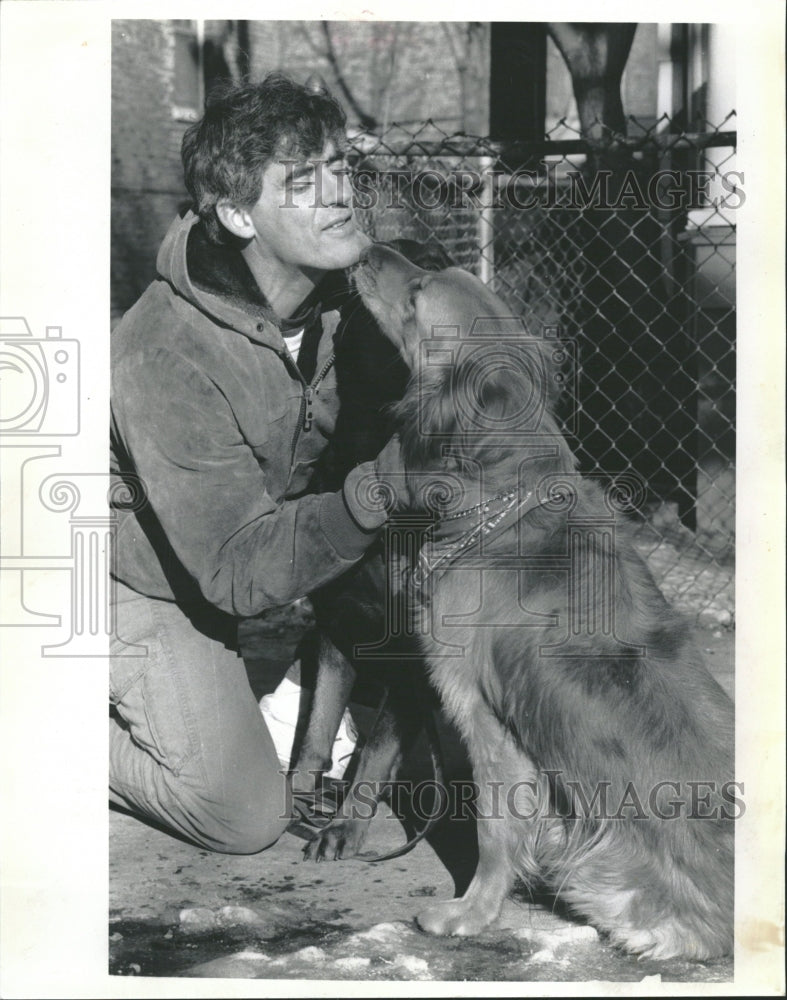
[[438, 773], [321, 806]]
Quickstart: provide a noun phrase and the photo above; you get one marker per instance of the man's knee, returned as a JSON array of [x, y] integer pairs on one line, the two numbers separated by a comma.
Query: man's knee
[[244, 837], [236, 824]]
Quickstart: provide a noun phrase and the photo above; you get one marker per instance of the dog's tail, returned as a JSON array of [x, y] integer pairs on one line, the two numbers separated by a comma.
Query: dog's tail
[[660, 894]]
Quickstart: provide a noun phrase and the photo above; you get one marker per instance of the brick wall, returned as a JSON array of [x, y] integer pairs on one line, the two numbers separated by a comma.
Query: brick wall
[[146, 173], [421, 82]]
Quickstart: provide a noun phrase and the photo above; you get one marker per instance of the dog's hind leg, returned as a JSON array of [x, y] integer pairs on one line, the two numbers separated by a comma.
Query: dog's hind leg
[[398, 723], [503, 776]]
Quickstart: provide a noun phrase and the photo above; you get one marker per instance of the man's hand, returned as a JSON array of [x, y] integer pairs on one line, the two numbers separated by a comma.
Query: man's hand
[[373, 490]]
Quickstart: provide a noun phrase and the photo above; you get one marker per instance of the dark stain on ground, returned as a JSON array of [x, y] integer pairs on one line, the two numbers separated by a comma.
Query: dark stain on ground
[[153, 949], [256, 893]]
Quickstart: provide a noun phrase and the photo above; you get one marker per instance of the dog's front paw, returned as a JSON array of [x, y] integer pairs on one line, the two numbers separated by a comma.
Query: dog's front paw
[[454, 917], [341, 838]]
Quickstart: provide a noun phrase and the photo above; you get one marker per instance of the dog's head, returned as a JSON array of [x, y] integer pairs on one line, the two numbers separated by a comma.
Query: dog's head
[[481, 385], [409, 302]]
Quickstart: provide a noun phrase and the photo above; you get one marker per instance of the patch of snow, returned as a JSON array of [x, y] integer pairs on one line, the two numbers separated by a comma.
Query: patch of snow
[[545, 955], [386, 933], [414, 965], [197, 918], [309, 954], [352, 962], [550, 941], [229, 915]]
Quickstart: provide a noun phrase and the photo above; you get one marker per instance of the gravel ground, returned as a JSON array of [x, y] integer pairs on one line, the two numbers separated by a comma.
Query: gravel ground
[[178, 911], [696, 570]]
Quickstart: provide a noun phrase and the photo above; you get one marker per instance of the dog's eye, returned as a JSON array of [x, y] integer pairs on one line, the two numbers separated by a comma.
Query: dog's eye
[[415, 287]]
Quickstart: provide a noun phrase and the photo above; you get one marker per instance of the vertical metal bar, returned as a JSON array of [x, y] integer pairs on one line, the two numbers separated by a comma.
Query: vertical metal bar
[[486, 228]]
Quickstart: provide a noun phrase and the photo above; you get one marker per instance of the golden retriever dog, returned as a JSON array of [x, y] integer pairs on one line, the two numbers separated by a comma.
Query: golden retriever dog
[[602, 749]]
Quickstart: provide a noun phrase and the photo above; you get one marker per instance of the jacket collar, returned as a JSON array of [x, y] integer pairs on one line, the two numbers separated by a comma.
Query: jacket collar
[[218, 281]]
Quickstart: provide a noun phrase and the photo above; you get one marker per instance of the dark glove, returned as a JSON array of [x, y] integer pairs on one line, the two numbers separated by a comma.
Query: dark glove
[[373, 490]]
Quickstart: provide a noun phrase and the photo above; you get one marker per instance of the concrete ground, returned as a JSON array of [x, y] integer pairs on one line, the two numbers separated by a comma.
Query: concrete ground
[[177, 910]]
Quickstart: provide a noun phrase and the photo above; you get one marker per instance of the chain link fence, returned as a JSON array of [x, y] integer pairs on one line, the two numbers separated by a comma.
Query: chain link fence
[[624, 251]]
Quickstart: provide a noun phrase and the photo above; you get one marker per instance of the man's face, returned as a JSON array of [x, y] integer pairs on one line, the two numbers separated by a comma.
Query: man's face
[[304, 216]]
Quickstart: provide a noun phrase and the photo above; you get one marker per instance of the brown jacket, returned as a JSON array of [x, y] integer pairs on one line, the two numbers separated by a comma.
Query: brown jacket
[[222, 429]]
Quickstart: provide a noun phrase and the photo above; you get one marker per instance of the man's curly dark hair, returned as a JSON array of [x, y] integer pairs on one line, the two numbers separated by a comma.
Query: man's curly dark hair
[[242, 130]]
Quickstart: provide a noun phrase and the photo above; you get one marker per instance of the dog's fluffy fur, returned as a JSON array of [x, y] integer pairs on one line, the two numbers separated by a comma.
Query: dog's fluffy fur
[[554, 706]]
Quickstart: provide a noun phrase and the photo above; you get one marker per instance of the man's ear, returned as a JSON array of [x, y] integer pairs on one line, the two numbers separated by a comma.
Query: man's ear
[[236, 220]]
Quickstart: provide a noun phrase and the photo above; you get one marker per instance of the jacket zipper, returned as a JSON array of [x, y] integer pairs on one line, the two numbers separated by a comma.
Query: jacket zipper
[[306, 416]]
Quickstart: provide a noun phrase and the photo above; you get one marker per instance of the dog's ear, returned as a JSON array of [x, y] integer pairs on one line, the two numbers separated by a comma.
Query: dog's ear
[[501, 388], [406, 305], [492, 406]]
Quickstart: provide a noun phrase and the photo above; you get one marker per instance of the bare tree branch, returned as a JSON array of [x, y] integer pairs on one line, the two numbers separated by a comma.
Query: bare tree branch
[[461, 42], [302, 30], [366, 120], [451, 42], [595, 54]]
